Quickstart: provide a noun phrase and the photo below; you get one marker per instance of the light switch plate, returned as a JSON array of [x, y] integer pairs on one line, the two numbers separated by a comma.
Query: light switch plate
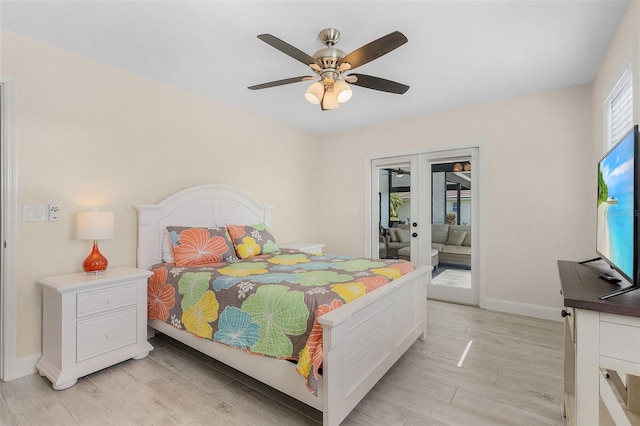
[[34, 212]]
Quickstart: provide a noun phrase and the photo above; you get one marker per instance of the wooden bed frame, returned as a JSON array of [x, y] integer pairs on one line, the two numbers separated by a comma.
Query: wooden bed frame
[[361, 339]]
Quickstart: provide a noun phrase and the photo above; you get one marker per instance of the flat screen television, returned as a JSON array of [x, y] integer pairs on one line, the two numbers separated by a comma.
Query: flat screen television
[[617, 212]]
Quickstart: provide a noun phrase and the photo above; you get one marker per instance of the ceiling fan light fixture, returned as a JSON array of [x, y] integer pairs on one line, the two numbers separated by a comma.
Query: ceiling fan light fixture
[[330, 100], [342, 90], [315, 93]]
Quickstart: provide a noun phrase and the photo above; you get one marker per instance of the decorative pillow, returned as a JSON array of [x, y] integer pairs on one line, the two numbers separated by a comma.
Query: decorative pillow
[[200, 246], [467, 240], [404, 235], [439, 233], [456, 238], [393, 235], [252, 240]]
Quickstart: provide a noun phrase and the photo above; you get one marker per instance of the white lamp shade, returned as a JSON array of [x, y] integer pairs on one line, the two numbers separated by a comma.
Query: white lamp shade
[[314, 93], [94, 225], [342, 90]]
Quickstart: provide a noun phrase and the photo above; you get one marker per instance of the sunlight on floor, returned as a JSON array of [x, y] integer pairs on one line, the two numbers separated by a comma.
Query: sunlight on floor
[[453, 278], [464, 354]]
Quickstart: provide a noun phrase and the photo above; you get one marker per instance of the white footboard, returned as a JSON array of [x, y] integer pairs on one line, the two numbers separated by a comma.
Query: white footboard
[[364, 338], [361, 341]]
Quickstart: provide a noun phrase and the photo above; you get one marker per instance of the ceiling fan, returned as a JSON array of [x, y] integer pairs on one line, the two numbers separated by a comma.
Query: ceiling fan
[[329, 65], [398, 172]]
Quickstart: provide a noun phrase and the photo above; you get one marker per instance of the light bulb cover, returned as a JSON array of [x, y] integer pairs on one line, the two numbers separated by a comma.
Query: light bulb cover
[[342, 90], [315, 93]]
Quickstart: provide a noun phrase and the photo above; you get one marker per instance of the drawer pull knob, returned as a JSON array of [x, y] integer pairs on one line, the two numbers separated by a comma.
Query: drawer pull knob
[[565, 313], [109, 334]]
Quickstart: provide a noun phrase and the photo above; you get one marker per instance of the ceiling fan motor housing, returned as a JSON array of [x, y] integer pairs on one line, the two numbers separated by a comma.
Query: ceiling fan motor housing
[[329, 56]]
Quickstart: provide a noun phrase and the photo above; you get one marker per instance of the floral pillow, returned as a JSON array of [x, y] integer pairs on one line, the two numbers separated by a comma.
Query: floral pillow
[[200, 246], [252, 240]]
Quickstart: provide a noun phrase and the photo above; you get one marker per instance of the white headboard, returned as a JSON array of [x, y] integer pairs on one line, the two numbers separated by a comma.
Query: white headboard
[[203, 205]]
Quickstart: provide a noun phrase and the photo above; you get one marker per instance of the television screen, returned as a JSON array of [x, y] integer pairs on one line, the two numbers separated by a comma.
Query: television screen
[[616, 207]]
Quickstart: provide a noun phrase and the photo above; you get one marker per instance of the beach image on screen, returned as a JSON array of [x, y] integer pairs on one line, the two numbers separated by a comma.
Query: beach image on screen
[[616, 213]]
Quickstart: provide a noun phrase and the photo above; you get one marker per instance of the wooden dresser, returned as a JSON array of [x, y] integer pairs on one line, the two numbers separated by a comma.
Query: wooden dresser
[[602, 347]]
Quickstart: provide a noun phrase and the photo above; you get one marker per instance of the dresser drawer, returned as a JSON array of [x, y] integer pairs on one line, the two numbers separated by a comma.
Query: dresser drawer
[[620, 337], [102, 334], [96, 301]]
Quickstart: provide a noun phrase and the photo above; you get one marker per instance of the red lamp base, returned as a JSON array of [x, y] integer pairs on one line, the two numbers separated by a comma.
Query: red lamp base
[[95, 262]]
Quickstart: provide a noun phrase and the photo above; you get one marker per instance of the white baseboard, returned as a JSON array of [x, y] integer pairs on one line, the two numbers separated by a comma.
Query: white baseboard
[[27, 365], [23, 367], [527, 309]]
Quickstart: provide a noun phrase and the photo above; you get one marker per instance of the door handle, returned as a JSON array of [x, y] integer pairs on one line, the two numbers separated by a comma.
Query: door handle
[[415, 234], [415, 224]]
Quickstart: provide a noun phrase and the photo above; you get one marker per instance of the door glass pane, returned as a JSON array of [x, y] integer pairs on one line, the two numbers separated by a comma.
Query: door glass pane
[[451, 230], [394, 208]]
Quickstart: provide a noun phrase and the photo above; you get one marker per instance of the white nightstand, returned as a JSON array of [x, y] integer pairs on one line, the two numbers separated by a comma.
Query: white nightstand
[[313, 248], [90, 322]]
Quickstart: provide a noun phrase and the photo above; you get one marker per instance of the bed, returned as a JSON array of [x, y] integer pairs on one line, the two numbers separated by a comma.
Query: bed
[[361, 340]]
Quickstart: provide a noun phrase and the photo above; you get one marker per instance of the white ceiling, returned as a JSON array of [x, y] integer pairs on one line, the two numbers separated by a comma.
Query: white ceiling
[[459, 53]]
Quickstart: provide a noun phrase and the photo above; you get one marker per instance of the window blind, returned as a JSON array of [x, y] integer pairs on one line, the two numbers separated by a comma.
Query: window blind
[[621, 108]]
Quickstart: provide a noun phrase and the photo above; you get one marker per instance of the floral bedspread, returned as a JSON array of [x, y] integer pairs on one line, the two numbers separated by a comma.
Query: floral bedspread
[[268, 305]]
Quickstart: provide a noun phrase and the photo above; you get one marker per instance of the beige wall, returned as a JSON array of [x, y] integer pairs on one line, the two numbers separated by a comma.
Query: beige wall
[[90, 135], [538, 208]]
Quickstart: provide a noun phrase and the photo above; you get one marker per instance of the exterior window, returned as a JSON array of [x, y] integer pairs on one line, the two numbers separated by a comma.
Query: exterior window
[[620, 109]]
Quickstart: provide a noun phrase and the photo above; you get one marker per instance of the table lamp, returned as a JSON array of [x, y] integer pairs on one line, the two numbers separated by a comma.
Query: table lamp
[[94, 225]]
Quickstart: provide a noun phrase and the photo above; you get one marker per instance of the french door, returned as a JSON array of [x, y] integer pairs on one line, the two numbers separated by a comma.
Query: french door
[[394, 223], [453, 179], [412, 195]]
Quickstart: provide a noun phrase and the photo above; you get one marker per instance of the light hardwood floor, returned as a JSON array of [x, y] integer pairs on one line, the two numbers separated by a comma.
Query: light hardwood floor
[[512, 375]]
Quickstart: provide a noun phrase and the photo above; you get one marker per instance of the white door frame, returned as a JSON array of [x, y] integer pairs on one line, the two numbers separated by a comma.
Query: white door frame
[[424, 215], [374, 165], [8, 280]]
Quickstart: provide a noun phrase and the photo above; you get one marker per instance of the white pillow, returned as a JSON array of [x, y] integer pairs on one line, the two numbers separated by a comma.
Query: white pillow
[[167, 247]]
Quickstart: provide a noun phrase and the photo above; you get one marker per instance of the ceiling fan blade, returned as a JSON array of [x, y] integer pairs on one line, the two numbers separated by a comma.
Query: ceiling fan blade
[[288, 49], [377, 83], [282, 82], [375, 49]]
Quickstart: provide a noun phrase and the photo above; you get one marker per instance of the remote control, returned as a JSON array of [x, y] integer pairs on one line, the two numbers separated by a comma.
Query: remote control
[[608, 277]]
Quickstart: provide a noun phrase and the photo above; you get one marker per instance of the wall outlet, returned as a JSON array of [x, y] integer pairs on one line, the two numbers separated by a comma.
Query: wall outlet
[[54, 213]]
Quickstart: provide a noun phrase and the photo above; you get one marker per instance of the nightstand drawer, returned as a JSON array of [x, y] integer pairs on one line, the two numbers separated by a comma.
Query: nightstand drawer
[[96, 301], [99, 335]]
